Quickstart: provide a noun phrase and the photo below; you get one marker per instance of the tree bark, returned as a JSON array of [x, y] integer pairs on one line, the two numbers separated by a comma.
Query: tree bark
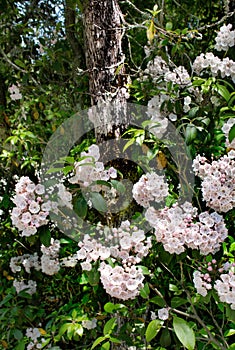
[[105, 63]]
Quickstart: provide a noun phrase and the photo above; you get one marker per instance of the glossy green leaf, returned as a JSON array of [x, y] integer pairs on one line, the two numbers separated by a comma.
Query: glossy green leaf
[[105, 346], [80, 207], [45, 236], [109, 326], [152, 330], [231, 135], [97, 342], [184, 333], [144, 292]]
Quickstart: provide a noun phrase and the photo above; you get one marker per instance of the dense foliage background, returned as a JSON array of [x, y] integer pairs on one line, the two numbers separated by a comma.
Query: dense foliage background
[[43, 82]]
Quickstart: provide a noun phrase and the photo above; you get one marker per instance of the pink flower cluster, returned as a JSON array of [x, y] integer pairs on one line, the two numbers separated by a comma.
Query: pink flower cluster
[[218, 181], [126, 246], [176, 228], [31, 211], [150, 187], [203, 280], [224, 285], [119, 282], [15, 92]]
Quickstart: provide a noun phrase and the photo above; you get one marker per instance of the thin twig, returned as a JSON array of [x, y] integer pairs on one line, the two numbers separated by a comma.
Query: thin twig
[[20, 69]]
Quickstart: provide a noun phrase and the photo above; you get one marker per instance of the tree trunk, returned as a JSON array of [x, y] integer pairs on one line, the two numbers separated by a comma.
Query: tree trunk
[[105, 64]]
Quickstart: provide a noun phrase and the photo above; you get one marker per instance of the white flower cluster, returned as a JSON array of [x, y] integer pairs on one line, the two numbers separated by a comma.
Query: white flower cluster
[[159, 70], [187, 101], [89, 170], [49, 264], [15, 92], [225, 38], [225, 287], [226, 67], [156, 69], [27, 260], [31, 211], [121, 283], [34, 334], [179, 76], [158, 115], [226, 129], [49, 260], [177, 228], [29, 287], [162, 314], [89, 324], [218, 185], [150, 187]]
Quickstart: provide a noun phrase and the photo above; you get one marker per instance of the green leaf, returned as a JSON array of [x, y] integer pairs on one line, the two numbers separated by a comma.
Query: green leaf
[[232, 347], [118, 186], [128, 144], [93, 277], [115, 340], [78, 329], [109, 307], [229, 332], [97, 342], [54, 170], [165, 339], [230, 314], [80, 207], [64, 328], [98, 201], [184, 333], [169, 26], [231, 134], [177, 301], [20, 63], [158, 301], [21, 345], [103, 183], [145, 270], [109, 326], [45, 236], [153, 329], [67, 169], [190, 134], [144, 292], [105, 346], [18, 335], [223, 91]]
